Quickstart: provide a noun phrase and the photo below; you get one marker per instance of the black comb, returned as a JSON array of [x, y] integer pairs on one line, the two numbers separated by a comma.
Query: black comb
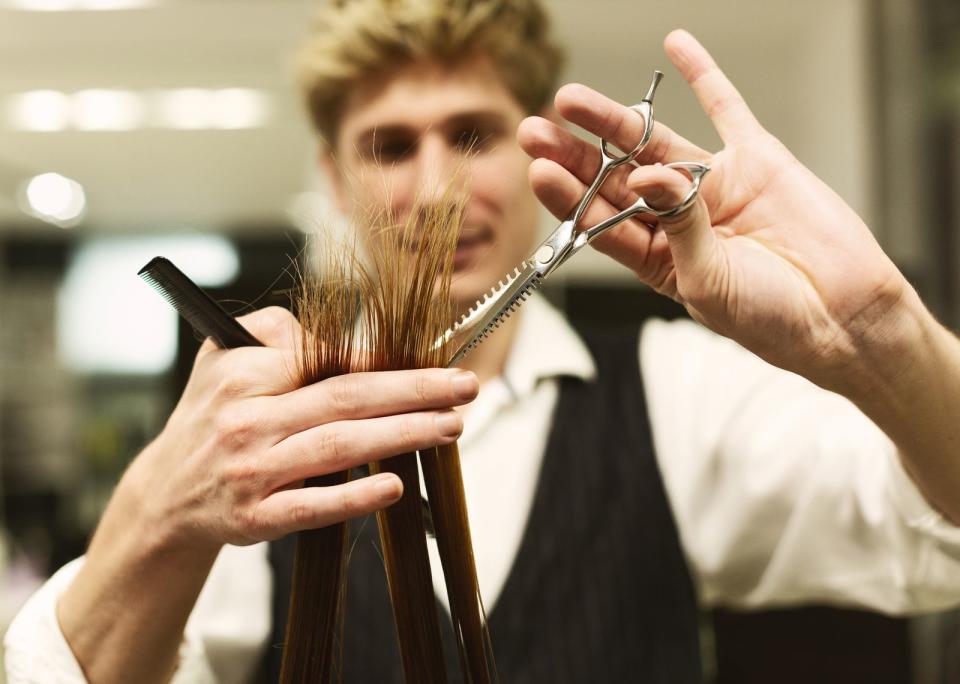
[[198, 308]]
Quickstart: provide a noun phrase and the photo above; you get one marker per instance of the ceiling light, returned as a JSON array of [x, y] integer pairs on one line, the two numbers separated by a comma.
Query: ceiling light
[[239, 108], [76, 5], [124, 110], [107, 5], [107, 110], [184, 108], [42, 5], [54, 198], [40, 110]]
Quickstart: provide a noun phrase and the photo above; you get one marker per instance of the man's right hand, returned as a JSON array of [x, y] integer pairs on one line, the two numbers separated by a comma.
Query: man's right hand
[[228, 468], [229, 465]]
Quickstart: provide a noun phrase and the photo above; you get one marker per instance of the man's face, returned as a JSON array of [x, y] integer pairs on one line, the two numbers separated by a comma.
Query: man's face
[[404, 137]]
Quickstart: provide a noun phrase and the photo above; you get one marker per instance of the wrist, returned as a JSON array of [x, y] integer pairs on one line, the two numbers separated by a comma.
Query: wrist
[[150, 517], [898, 358], [124, 614], [913, 396]]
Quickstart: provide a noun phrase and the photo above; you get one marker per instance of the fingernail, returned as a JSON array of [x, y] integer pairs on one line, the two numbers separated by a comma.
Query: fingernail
[[449, 424], [465, 385], [387, 487]]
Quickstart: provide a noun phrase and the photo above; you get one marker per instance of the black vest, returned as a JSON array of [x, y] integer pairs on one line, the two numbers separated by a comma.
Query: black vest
[[599, 590]]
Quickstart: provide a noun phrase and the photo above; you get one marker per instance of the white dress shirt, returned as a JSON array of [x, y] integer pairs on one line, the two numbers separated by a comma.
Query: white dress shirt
[[782, 493]]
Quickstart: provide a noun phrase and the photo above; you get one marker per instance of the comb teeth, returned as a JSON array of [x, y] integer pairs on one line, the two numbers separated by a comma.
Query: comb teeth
[[205, 316], [173, 297]]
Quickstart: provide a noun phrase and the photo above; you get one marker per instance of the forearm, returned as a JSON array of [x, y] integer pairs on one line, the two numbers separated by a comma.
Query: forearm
[[913, 395], [125, 612]]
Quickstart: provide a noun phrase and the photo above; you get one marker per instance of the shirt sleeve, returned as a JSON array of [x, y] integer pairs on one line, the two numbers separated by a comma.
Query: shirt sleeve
[[784, 492], [222, 643], [35, 650]]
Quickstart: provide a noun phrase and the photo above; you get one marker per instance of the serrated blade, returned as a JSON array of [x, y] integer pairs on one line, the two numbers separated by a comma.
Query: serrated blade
[[490, 311]]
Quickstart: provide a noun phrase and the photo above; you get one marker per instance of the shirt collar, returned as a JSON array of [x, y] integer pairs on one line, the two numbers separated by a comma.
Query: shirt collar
[[545, 346]]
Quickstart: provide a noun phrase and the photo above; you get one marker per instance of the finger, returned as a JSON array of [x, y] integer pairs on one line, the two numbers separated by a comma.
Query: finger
[[719, 98], [346, 444], [629, 243], [274, 326], [693, 243], [614, 190], [292, 510], [369, 395], [543, 139], [254, 371], [622, 126], [559, 192]]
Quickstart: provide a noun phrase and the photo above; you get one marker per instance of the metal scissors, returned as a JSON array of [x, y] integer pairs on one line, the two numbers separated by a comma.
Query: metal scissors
[[488, 313]]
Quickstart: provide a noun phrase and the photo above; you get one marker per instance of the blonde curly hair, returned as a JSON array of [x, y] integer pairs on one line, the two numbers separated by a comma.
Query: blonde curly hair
[[353, 40]]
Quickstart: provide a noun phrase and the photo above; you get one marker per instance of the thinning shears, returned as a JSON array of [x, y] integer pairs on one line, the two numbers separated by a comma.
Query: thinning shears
[[488, 313]]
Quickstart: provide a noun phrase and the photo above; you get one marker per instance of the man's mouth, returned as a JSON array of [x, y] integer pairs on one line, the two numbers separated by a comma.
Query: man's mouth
[[471, 247]]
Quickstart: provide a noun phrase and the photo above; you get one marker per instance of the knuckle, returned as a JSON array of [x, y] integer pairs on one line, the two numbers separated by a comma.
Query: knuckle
[[578, 159], [301, 514], [333, 446], [721, 103], [348, 504], [424, 387], [244, 471], [247, 478], [659, 148], [238, 375], [273, 317], [234, 384], [276, 313], [716, 105], [614, 121], [235, 427], [409, 431], [272, 324], [276, 318], [343, 393], [251, 521], [622, 195]]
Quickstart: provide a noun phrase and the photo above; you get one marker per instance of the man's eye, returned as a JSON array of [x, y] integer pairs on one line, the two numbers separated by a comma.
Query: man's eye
[[390, 150], [472, 139]]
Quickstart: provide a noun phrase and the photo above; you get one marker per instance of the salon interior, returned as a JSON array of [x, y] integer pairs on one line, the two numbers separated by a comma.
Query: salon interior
[[136, 128]]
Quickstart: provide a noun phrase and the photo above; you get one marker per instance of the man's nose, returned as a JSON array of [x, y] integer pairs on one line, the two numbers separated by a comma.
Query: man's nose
[[436, 168]]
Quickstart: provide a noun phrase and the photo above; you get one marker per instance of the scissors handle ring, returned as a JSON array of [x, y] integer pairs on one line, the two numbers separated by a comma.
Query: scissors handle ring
[[697, 171], [645, 109]]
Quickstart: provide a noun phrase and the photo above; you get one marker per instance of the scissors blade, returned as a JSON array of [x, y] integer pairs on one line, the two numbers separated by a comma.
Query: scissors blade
[[490, 311]]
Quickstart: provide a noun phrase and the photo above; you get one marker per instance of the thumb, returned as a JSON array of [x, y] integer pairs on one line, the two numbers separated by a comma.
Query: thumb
[[273, 326], [693, 244]]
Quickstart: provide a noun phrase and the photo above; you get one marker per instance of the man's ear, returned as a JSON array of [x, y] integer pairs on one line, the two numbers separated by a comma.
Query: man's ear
[[329, 167]]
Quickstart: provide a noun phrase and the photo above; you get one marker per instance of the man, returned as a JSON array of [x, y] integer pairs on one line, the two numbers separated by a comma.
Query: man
[[781, 490]]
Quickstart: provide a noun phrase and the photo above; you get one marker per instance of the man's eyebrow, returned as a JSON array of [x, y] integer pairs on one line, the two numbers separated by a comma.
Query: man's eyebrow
[[485, 117], [488, 117]]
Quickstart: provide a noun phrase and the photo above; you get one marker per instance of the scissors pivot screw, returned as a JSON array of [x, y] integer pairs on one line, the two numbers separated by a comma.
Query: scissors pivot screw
[[544, 254]]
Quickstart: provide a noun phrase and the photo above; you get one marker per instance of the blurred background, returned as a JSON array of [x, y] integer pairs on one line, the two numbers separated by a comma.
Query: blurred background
[[131, 128]]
